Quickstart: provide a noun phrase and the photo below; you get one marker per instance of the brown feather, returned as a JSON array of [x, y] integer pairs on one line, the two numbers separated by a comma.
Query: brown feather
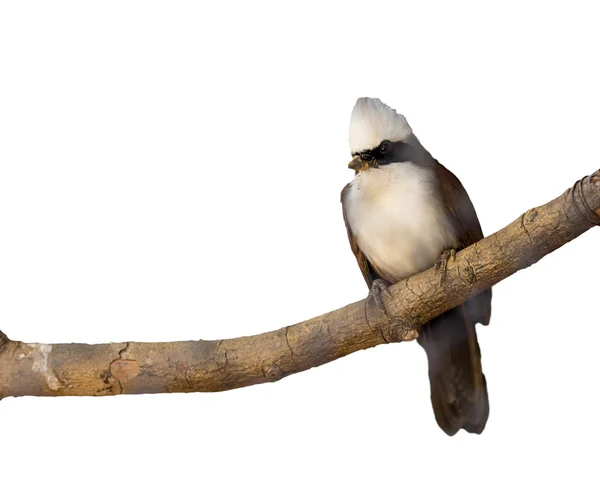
[[462, 213], [458, 386], [365, 266]]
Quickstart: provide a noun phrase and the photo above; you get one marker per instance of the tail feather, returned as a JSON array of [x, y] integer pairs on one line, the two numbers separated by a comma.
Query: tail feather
[[458, 387]]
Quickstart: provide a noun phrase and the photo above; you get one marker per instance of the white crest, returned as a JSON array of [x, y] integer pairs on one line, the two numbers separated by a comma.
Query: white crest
[[372, 121]]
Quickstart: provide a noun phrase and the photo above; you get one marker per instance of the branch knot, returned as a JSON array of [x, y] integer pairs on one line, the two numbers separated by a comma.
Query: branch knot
[[273, 372]]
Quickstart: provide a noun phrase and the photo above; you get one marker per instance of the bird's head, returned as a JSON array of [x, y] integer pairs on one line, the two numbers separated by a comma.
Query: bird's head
[[378, 135]]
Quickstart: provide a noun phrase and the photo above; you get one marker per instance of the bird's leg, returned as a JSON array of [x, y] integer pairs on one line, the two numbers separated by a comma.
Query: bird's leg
[[442, 263]]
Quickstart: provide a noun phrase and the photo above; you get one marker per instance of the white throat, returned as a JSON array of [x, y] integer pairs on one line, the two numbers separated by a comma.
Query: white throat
[[396, 216]]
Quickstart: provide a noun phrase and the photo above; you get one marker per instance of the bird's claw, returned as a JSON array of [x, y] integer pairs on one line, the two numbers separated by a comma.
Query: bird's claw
[[442, 263], [380, 286], [397, 330]]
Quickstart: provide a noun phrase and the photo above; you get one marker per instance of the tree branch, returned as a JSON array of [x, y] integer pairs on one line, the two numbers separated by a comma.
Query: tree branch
[[201, 366]]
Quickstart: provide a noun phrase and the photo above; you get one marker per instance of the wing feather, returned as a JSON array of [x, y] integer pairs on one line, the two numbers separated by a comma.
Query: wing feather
[[365, 266], [458, 205]]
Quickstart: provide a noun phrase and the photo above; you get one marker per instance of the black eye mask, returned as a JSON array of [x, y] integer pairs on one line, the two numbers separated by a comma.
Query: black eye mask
[[388, 152]]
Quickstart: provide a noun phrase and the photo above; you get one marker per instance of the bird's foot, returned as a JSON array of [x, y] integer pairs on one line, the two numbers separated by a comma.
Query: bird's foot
[[397, 330], [442, 263], [380, 286]]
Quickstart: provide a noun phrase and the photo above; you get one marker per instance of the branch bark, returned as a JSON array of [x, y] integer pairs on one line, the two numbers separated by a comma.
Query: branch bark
[[201, 366]]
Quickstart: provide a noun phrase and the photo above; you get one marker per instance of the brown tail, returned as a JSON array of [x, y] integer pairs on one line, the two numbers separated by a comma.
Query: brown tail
[[458, 389]]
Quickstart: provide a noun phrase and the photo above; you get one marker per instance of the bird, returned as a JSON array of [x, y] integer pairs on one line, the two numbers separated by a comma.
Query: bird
[[404, 213]]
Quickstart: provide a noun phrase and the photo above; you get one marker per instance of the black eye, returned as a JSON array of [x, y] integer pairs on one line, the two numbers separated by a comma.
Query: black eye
[[366, 157], [384, 147]]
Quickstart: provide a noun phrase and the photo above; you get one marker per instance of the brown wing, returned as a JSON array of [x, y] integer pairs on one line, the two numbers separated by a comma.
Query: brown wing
[[365, 267], [458, 386], [458, 205]]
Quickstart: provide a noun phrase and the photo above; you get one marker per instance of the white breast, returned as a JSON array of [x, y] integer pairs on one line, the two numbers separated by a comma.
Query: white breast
[[397, 219]]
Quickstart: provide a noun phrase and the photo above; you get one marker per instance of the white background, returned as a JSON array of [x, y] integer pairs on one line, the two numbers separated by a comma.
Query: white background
[[172, 171]]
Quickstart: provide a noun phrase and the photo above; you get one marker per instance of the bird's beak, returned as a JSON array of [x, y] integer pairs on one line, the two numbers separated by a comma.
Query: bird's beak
[[358, 164]]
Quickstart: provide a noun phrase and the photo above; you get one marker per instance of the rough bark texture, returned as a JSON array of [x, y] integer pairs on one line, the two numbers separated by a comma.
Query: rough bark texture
[[136, 368]]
